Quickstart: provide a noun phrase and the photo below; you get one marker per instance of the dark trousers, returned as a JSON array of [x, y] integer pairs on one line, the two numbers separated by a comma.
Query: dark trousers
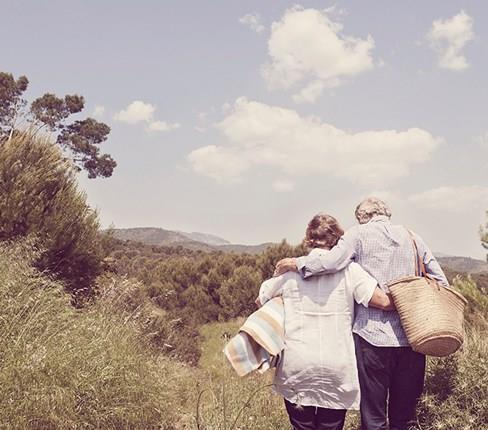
[[391, 381], [313, 418]]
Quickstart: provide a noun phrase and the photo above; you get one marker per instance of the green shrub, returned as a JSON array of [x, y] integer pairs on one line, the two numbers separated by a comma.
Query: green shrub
[[238, 293], [69, 369], [40, 198], [163, 331]]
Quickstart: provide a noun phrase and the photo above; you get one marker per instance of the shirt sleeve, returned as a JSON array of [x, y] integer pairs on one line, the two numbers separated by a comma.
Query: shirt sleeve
[[330, 261], [432, 266], [363, 284], [272, 288]]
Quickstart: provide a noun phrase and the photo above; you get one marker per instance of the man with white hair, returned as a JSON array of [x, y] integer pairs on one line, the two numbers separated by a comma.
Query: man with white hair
[[391, 374]]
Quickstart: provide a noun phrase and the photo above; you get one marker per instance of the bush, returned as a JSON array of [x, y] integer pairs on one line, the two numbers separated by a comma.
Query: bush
[[238, 293], [40, 198], [163, 331], [63, 368]]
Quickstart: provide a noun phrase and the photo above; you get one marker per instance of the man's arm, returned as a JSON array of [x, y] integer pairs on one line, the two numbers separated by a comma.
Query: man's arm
[[321, 261], [432, 266]]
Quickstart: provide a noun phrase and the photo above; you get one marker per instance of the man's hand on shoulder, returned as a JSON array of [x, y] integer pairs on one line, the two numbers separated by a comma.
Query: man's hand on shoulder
[[285, 265]]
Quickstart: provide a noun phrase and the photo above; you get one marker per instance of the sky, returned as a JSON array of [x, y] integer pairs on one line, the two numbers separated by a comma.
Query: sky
[[245, 119]]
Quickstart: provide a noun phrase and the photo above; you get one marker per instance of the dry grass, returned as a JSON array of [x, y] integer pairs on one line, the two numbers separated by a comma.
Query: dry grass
[[456, 391], [63, 368], [455, 398], [68, 369]]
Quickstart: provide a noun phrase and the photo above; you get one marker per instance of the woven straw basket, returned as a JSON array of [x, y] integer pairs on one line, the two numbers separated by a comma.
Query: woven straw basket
[[431, 315]]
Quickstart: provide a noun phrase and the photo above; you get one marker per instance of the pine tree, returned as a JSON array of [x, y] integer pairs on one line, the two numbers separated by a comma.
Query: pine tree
[[79, 140]]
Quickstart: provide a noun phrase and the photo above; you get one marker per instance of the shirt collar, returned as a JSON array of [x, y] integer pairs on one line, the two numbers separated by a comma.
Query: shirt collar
[[379, 218]]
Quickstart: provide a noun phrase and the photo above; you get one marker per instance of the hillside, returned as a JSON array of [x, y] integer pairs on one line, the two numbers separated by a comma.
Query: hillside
[[207, 242], [150, 236], [209, 239], [194, 241], [464, 264]]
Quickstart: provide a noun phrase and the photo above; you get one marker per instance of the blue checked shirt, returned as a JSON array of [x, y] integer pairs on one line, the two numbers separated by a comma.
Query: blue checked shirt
[[386, 252]]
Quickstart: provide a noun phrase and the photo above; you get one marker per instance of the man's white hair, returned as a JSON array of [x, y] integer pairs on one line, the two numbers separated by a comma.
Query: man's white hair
[[371, 207]]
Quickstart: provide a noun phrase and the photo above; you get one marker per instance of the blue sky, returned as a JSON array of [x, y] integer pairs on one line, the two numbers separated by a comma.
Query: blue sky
[[244, 119]]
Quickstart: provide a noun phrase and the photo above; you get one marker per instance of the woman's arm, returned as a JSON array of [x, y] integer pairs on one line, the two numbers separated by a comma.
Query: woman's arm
[[381, 300], [271, 288], [366, 290]]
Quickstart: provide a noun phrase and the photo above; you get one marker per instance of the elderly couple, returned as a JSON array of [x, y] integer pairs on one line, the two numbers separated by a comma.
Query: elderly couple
[[344, 343]]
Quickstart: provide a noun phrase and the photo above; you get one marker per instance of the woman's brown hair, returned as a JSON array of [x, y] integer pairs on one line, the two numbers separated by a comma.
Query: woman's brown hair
[[323, 231]]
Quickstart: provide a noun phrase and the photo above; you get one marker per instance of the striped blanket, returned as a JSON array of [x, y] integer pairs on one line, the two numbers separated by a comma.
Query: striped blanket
[[260, 340]]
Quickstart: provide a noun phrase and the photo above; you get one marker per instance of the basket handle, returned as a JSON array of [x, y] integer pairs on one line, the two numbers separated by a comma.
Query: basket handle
[[419, 264]]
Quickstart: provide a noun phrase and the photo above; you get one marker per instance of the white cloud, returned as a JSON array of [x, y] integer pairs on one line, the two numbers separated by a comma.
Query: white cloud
[[262, 135], [162, 126], [141, 112], [283, 186], [448, 38], [452, 199], [226, 108], [98, 111], [253, 21], [308, 53], [482, 141], [309, 93], [136, 112], [218, 163]]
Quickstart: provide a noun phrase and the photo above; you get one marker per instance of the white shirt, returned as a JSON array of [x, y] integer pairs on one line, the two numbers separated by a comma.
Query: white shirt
[[318, 364]]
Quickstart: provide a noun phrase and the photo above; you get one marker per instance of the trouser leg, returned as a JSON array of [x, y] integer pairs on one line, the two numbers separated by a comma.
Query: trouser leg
[[330, 419], [374, 379], [406, 385], [301, 417]]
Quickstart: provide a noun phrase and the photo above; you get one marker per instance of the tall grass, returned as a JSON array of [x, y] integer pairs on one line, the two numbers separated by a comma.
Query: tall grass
[[97, 368], [62, 368], [229, 402], [456, 389], [455, 395]]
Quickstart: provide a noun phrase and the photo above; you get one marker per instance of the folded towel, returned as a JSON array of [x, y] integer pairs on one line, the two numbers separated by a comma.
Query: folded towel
[[260, 340]]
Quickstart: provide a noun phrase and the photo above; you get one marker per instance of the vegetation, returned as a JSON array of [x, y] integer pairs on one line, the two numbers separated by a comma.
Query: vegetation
[[455, 396], [206, 286], [195, 287], [450, 382], [63, 368], [79, 139], [117, 362], [456, 392], [95, 368], [40, 198]]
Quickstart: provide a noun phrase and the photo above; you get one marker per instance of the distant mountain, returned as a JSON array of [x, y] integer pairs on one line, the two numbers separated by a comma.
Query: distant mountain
[[463, 264], [209, 242], [150, 235], [209, 239], [195, 241]]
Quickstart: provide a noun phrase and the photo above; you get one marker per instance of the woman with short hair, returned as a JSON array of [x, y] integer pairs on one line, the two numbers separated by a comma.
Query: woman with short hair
[[317, 373]]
